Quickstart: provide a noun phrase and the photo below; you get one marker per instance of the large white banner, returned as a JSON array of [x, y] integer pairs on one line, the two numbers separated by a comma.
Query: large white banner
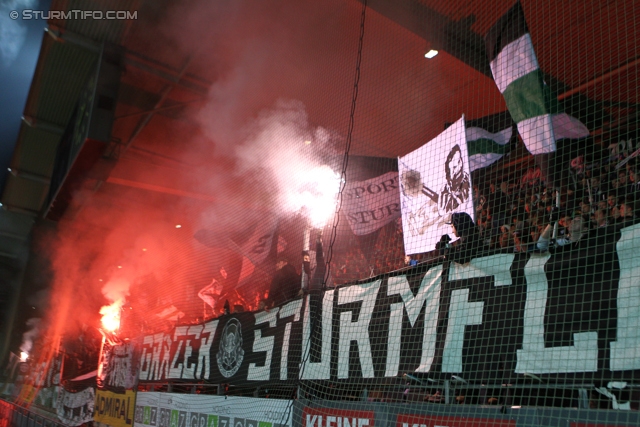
[[434, 183], [373, 203], [194, 410]]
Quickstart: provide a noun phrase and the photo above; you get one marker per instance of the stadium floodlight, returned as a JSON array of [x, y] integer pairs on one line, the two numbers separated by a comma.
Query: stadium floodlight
[[431, 53]]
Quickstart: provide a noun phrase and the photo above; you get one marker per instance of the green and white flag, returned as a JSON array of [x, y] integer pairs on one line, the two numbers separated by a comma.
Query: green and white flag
[[517, 74], [485, 148]]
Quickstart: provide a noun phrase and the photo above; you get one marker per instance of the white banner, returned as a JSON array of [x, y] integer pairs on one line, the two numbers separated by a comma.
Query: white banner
[[193, 410], [74, 409], [434, 183], [117, 368], [373, 203]]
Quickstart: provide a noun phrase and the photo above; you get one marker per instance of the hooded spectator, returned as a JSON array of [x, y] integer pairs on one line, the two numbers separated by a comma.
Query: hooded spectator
[[469, 243], [285, 284]]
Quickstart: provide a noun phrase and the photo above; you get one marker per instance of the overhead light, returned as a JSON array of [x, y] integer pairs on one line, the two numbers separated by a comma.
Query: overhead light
[[431, 54]]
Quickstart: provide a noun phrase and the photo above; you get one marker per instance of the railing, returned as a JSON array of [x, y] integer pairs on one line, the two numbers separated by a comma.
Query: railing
[[12, 415]]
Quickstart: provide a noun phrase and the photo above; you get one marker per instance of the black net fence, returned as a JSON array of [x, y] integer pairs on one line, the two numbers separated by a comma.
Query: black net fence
[[385, 213]]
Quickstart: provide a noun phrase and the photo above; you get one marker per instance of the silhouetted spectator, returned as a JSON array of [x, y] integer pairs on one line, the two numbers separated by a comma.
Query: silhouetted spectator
[[469, 242], [285, 285]]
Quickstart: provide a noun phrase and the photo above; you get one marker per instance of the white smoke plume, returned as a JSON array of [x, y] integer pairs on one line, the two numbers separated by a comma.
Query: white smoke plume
[[297, 156], [31, 335]]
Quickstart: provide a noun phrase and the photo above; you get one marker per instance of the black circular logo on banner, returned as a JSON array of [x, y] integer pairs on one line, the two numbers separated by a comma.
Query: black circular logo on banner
[[230, 354]]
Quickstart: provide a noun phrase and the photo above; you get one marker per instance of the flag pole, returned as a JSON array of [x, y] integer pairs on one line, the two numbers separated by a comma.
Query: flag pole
[[555, 225], [305, 248]]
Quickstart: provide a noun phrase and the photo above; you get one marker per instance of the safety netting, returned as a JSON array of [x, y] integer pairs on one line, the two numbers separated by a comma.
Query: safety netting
[[421, 213]]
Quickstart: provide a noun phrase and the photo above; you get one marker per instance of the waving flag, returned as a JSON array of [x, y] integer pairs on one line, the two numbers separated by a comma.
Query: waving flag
[[517, 74], [486, 148]]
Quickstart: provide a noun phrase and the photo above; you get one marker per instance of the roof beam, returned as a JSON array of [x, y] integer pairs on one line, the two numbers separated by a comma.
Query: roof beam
[[63, 36], [163, 95], [35, 123], [165, 72], [16, 209], [160, 109], [455, 38], [8, 255], [187, 81], [30, 176], [12, 235]]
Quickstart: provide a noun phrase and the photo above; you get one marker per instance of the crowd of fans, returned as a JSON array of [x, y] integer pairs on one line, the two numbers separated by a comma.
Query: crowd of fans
[[386, 255], [517, 214], [521, 215]]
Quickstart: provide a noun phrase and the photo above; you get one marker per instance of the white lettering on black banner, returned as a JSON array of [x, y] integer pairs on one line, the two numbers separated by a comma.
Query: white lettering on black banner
[[318, 370], [357, 331], [625, 351], [534, 358], [428, 293]]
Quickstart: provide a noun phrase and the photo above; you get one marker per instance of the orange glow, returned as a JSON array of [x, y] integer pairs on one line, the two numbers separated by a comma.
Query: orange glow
[[111, 316]]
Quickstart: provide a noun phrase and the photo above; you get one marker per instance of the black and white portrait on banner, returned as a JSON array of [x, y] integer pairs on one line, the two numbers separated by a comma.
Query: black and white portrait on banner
[[434, 183], [118, 367]]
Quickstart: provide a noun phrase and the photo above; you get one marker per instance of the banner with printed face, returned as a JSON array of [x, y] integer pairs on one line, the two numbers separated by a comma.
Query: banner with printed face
[[572, 315], [74, 409], [434, 183], [189, 410], [118, 367], [115, 409], [371, 204]]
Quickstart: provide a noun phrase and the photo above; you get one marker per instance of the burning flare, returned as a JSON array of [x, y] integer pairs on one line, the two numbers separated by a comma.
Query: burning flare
[[115, 290], [111, 315], [317, 194]]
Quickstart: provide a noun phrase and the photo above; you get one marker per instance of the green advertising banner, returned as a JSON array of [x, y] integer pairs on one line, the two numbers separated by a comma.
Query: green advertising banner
[[188, 410]]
